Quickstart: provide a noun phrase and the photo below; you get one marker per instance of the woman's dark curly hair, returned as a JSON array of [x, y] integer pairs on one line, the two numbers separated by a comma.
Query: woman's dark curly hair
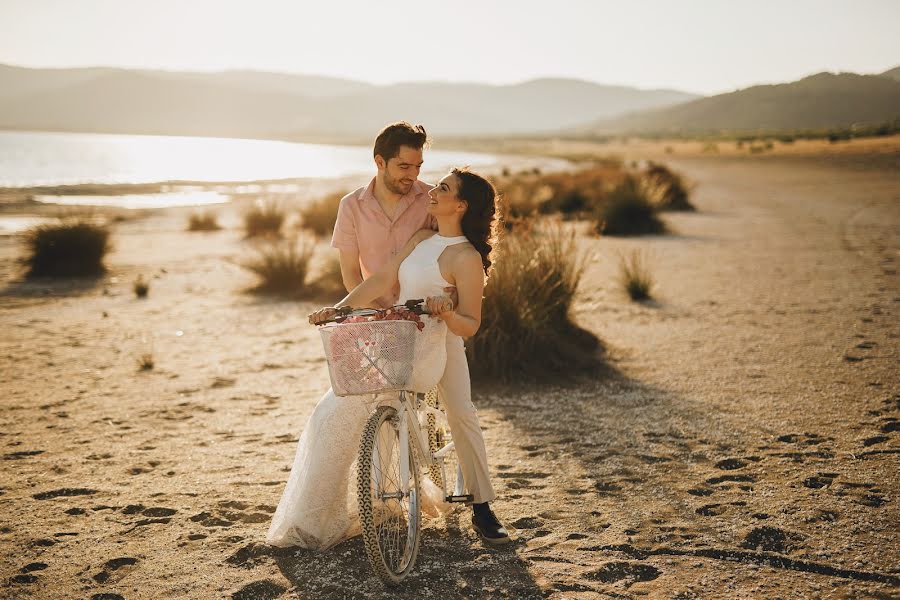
[[480, 223]]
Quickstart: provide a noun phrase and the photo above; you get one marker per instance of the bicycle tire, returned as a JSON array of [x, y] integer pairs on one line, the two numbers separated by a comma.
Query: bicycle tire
[[391, 554]]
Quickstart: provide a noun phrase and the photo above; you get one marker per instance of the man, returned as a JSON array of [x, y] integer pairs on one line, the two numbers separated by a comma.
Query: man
[[373, 224], [375, 221]]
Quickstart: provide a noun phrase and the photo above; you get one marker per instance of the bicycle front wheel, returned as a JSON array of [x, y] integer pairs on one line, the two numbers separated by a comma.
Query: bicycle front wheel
[[388, 505]]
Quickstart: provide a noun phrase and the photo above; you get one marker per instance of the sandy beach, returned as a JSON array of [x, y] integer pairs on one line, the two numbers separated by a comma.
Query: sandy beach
[[741, 444]]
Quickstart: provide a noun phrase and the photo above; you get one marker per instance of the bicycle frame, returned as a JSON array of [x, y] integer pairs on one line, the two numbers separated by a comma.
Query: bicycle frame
[[409, 422]]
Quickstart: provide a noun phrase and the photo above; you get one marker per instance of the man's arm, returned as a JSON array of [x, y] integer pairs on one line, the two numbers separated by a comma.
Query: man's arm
[[351, 274]]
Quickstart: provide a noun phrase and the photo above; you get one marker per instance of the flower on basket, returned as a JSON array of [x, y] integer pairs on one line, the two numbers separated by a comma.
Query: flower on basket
[[400, 313]]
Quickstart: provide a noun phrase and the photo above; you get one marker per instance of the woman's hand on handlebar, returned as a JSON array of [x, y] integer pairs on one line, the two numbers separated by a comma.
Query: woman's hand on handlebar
[[438, 306], [322, 315]]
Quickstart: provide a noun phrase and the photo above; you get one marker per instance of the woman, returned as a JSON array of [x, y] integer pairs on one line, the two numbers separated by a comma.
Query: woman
[[318, 508]]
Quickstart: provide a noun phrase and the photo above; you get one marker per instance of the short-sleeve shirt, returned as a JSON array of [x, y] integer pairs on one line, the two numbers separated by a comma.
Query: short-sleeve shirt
[[363, 226]]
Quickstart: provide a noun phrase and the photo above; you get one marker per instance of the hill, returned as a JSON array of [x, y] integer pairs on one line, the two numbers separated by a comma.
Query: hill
[[821, 101], [251, 103]]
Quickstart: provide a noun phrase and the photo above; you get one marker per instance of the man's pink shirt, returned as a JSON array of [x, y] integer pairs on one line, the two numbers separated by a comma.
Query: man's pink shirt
[[363, 226]]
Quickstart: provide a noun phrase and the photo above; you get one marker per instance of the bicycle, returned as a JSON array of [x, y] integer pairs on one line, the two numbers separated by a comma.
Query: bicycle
[[370, 357]]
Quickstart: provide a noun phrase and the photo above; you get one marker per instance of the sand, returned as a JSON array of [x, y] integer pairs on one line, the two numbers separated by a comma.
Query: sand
[[742, 444]]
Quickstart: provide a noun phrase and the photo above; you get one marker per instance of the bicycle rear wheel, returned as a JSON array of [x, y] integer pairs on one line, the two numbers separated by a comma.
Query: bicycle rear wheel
[[390, 516]]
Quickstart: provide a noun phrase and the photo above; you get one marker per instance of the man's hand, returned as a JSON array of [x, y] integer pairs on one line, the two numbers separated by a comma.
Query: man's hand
[[438, 306], [322, 315], [453, 294]]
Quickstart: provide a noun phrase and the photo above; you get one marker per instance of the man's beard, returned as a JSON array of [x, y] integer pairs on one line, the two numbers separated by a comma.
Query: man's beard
[[394, 185]]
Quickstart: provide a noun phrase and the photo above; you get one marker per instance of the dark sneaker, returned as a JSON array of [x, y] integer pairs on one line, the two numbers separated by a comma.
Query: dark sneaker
[[488, 526]]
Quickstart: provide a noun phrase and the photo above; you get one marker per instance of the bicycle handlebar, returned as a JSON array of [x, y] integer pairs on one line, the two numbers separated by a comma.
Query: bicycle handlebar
[[416, 306]]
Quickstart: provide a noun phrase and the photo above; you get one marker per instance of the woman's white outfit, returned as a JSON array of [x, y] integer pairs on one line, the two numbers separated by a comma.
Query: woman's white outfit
[[319, 507]]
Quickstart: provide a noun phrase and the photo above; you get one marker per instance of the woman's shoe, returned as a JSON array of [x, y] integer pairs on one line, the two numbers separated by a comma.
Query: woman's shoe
[[485, 522]]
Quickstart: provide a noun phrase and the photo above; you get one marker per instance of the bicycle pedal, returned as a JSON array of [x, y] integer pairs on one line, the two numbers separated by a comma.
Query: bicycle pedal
[[462, 498]]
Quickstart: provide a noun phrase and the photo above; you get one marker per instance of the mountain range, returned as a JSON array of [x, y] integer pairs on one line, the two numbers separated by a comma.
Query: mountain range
[[249, 103], [306, 107], [818, 102]]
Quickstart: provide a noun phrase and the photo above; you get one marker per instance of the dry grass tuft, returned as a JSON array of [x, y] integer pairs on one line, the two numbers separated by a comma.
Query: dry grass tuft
[[75, 246], [667, 188], [282, 267], [319, 216], [264, 219], [628, 211], [526, 326], [145, 362], [329, 281], [635, 276], [203, 221], [141, 287]]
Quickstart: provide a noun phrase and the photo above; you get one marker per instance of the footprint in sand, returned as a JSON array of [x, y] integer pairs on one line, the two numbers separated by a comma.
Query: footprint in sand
[[731, 478], [24, 575], [630, 572], [877, 439], [21, 454], [527, 523], [265, 589], [111, 567], [606, 488], [819, 481], [729, 464], [159, 512], [772, 539], [64, 492]]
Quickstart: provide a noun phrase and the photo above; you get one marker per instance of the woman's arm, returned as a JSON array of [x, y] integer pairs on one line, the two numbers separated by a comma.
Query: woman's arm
[[468, 273], [381, 282]]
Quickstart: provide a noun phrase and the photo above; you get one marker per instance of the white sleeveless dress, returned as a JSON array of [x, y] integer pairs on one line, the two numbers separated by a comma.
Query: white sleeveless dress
[[319, 506]]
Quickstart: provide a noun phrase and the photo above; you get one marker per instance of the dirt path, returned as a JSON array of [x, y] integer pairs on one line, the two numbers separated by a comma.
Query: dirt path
[[743, 445]]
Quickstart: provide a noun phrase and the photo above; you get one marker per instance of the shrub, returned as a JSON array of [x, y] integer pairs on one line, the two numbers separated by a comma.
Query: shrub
[[628, 211], [573, 195], [141, 287], [635, 277], [73, 247], [667, 188], [203, 221], [319, 216], [146, 362], [265, 218], [526, 325], [282, 267], [329, 282]]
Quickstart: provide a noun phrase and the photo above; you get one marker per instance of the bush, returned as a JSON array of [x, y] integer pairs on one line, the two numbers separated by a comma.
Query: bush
[[329, 282], [319, 216], [264, 219], [146, 362], [526, 326], [667, 188], [628, 211], [635, 277], [203, 221], [141, 287], [282, 267], [73, 247]]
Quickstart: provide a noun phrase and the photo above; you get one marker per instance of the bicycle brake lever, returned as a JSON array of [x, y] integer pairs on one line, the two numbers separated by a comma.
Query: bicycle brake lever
[[415, 306]]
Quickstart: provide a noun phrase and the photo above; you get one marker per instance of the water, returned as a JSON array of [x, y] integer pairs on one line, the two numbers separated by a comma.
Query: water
[[29, 159]]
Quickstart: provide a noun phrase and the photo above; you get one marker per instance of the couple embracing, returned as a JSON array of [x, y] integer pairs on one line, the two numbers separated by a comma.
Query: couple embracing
[[399, 238]]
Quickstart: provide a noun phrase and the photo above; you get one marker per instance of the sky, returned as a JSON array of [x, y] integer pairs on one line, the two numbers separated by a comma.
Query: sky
[[700, 46]]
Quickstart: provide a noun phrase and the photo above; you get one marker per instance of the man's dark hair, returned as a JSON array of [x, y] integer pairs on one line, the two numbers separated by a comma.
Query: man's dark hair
[[389, 139]]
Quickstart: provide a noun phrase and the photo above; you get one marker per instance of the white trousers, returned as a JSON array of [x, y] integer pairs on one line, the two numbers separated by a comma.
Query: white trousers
[[455, 389]]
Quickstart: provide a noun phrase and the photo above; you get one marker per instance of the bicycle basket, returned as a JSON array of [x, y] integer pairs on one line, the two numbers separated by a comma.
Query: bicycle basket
[[384, 356]]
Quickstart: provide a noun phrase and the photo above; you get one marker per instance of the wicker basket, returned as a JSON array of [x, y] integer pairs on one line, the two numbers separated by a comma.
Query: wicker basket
[[384, 356]]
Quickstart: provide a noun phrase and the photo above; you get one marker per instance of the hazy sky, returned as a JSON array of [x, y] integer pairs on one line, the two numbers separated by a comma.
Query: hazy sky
[[704, 46]]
